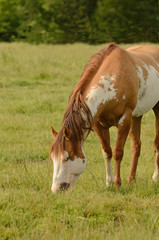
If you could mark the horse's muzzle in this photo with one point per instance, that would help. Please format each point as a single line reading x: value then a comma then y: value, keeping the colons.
x: 64, y: 186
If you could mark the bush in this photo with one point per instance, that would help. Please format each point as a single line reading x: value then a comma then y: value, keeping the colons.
x: 9, y: 20
x: 69, y: 21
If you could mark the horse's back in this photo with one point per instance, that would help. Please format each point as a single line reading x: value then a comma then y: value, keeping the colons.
x: 125, y: 78
x: 147, y: 51
x: 147, y: 65
x: 144, y: 48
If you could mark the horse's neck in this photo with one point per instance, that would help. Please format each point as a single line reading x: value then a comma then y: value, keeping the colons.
x: 78, y: 117
x: 79, y: 126
x: 86, y: 130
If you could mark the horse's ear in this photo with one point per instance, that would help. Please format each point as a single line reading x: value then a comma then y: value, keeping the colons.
x: 67, y: 133
x: 53, y: 131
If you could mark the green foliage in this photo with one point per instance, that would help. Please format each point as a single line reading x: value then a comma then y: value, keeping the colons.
x: 72, y: 17
x: 69, y: 21
x: 126, y: 21
x: 9, y: 20
x: 31, y: 18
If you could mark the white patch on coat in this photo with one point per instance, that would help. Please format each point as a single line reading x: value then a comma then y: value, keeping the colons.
x: 67, y: 171
x: 155, y: 176
x: 148, y: 94
x: 121, y: 120
x: 108, y: 168
x: 101, y: 93
x: 124, y: 97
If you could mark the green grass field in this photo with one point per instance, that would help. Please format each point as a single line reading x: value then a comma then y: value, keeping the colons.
x: 35, y: 84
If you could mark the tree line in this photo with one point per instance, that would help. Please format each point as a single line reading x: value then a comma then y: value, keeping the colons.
x: 69, y: 21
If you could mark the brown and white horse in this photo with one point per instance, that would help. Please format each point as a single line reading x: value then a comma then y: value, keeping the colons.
x: 116, y: 88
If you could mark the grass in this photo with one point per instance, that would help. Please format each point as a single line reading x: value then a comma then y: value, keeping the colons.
x: 35, y: 83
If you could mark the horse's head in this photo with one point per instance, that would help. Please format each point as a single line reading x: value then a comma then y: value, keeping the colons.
x: 68, y: 158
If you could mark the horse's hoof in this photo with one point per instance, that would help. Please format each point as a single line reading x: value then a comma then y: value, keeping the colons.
x: 117, y: 184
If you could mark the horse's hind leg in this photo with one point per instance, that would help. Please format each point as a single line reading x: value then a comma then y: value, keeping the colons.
x: 135, y: 145
x: 156, y: 144
x: 104, y: 137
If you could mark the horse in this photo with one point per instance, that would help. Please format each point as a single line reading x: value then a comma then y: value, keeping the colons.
x: 116, y: 88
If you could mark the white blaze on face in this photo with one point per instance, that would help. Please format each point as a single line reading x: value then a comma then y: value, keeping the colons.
x: 102, y: 93
x: 148, y: 94
x: 66, y: 171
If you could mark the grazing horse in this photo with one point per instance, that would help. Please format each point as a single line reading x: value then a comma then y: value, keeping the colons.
x: 116, y: 88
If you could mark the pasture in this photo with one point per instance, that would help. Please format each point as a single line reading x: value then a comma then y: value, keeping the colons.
x: 35, y: 84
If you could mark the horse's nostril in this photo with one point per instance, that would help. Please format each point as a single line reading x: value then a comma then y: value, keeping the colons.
x: 64, y: 186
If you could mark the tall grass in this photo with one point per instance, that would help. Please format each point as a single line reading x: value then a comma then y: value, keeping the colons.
x: 35, y: 83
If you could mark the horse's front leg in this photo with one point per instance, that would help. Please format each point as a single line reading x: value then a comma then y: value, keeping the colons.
x: 104, y: 137
x: 123, y: 130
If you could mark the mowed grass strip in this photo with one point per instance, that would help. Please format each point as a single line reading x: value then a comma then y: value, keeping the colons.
x: 35, y: 84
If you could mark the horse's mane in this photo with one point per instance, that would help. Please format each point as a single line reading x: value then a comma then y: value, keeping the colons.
x: 92, y: 66
x: 77, y: 117
x: 73, y: 118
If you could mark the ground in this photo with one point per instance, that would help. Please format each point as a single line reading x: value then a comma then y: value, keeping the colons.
x: 35, y: 84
